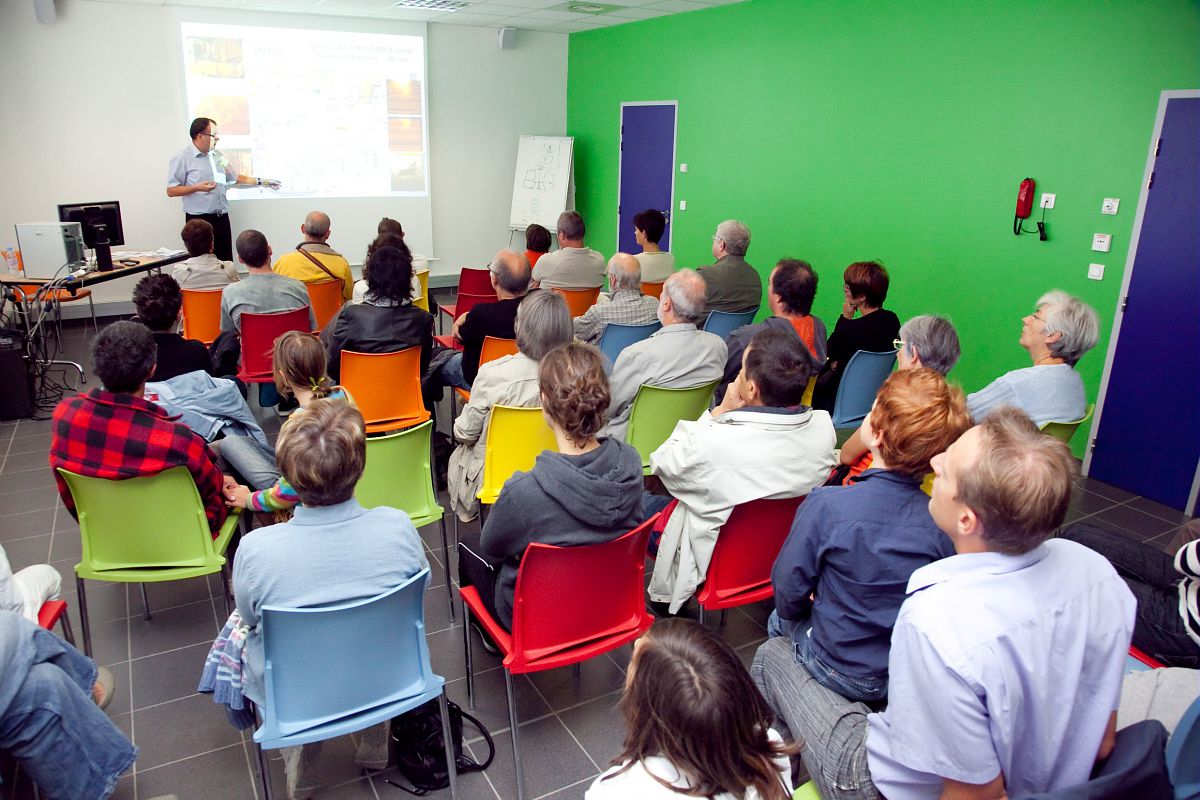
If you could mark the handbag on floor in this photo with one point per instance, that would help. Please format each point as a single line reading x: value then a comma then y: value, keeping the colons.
x: 420, y: 748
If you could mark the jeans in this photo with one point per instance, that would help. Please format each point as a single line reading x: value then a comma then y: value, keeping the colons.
x: 852, y: 687
x: 452, y: 372
x: 247, y: 457
x: 651, y: 505
x: 69, y: 747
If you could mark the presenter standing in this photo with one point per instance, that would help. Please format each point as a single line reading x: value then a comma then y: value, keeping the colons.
x: 200, y: 175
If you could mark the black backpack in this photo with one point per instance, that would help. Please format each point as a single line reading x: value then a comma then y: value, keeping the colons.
x: 421, y: 752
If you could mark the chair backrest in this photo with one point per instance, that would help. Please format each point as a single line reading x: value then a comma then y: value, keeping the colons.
x: 331, y: 662
x: 656, y: 410
x: 202, y: 314
x: 326, y: 299
x: 398, y: 473
x: 259, y: 332
x: 579, y: 300
x: 652, y: 289
x: 617, y: 337
x: 472, y: 280
x: 1063, y: 431
x: 465, y: 302
x: 147, y: 521
x: 386, y: 387
x: 864, y: 374
x: 723, y: 323
x: 1182, y: 747
x: 494, y: 347
x: 746, y: 548
x: 422, y: 302
x: 515, y: 438
x: 570, y: 597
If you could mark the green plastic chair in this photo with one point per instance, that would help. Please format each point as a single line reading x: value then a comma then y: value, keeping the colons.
x: 399, y: 474
x: 655, y: 411
x: 807, y: 791
x: 145, y: 530
x: 1063, y: 431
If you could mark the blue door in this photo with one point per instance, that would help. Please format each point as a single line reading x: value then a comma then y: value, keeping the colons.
x: 647, y: 168
x: 1148, y: 439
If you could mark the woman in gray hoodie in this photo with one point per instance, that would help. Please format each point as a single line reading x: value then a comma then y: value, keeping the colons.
x: 589, y: 491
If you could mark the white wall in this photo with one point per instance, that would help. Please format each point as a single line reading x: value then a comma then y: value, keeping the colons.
x: 92, y: 108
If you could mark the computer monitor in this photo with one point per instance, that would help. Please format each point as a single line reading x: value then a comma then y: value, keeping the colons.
x: 101, y: 227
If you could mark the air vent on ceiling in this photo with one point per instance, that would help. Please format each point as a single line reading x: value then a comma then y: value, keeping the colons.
x: 585, y: 7
x: 432, y: 5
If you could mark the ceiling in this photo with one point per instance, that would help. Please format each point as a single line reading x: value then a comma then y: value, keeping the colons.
x: 558, y: 16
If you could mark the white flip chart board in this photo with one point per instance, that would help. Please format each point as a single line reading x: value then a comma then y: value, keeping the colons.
x: 543, y: 181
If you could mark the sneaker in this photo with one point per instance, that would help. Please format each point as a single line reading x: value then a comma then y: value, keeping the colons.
x: 106, y: 683
x: 489, y: 646
x: 372, y: 750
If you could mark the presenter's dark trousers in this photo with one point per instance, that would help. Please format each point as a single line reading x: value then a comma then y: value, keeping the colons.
x: 222, y: 238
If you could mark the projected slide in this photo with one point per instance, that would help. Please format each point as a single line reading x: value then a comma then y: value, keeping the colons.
x: 328, y: 113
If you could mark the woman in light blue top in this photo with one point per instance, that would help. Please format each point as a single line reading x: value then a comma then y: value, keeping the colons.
x: 1056, y: 335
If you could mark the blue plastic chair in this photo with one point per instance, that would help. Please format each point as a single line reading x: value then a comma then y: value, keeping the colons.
x: 617, y: 337
x: 1182, y: 747
x: 338, y: 669
x: 723, y: 323
x: 864, y: 374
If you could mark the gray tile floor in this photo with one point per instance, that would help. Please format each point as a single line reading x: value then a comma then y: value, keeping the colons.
x: 570, y: 725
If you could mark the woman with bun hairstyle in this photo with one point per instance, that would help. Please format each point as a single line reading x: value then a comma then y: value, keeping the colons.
x: 589, y: 491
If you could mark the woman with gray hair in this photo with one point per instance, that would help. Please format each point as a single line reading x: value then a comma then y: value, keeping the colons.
x: 1056, y: 336
x: 543, y: 323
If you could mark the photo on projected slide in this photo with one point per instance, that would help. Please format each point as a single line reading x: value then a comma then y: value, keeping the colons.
x: 327, y: 113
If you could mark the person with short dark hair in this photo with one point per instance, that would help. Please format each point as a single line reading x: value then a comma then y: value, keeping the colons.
x: 113, y: 432
x: 159, y: 304
x: 864, y: 325
x: 389, y: 226
x: 537, y: 243
x: 648, y: 228
x: 733, y: 285
x: 573, y: 265
x: 263, y: 291
x: 203, y: 270
x: 313, y: 260
x: 759, y: 442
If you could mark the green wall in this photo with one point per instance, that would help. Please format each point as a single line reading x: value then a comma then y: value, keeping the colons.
x: 897, y: 131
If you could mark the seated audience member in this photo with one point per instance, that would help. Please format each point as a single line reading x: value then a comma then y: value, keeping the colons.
x: 333, y: 551
x: 790, y: 293
x: 1056, y: 336
x: 51, y: 714
x: 537, y: 243
x: 627, y: 306
x: 114, y: 433
x: 695, y: 724
x: 389, y: 226
x: 314, y: 260
x: 925, y: 341
x: 676, y: 356
x: 385, y: 239
x: 298, y: 360
x: 657, y: 264
x: 543, y: 323
x: 856, y: 546
x: 589, y: 491
x: 1006, y: 658
x: 262, y: 291
x: 203, y: 270
x: 159, y: 304
x: 386, y: 320
x: 873, y: 330
x: 509, y: 273
x: 572, y: 265
x: 733, y: 285
x: 758, y: 443
x: 24, y: 591
x: 1167, y: 591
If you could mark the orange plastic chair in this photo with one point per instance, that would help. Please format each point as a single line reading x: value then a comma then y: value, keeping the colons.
x: 579, y: 300
x: 570, y: 604
x: 259, y: 332
x: 747, y: 546
x: 202, y: 314
x: 59, y: 296
x: 493, y: 348
x: 471, y: 281
x: 652, y: 289
x: 326, y: 300
x: 386, y: 387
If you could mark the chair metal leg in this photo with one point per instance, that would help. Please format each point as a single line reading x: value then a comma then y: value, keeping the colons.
x: 83, y: 617
x: 225, y: 590
x: 512, y: 721
x: 68, y: 634
x: 446, y: 564
x: 724, y: 614
x: 701, y: 616
x: 575, y: 669
x: 92, y: 308
x: 451, y: 763
x: 466, y: 625
x: 263, y: 772
x: 145, y: 600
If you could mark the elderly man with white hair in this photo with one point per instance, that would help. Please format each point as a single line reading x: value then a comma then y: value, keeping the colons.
x: 1056, y: 336
x: 626, y: 304
x: 677, y: 356
x: 733, y: 285
x: 314, y: 260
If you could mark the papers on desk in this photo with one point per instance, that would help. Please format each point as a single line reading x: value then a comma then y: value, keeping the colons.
x: 162, y: 252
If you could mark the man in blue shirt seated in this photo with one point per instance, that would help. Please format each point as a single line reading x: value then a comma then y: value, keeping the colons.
x: 1006, y: 659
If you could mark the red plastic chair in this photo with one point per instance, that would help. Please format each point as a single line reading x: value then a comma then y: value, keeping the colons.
x: 259, y: 332
x: 471, y: 281
x: 1149, y: 660
x: 571, y: 604
x: 53, y: 612
x: 747, y: 546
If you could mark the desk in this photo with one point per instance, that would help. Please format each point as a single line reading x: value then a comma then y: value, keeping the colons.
x: 145, y: 264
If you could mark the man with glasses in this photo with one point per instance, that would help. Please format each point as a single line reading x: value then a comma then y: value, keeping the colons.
x: 510, y: 275
x: 199, y: 174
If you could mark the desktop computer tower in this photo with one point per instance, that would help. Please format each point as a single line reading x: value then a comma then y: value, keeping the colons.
x: 16, y: 399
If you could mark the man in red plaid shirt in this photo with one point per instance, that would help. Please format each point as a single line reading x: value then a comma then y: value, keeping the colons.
x: 114, y: 433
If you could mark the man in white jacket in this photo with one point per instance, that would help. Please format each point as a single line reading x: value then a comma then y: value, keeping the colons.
x: 759, y: 443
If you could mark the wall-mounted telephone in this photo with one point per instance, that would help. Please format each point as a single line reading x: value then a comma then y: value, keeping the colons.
x: 1025, y: 208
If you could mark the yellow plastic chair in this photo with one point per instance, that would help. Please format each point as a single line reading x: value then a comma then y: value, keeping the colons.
x: 145, y: 530
x: 808, y: 391
x: 1063, y: 431
x: 326, y: 300
x: 579, y: 300
x: 515, y: 438
x: 202, y: 314
x: 422, y: 302
x: 656, y: 410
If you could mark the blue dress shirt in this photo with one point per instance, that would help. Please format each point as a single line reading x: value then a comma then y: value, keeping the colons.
x: 189, y: 167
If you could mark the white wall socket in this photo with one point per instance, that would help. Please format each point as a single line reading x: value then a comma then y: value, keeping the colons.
x: 1102, y: 242
x: 1048, y: 200
x: 683, y: 167
x: 1096, y: 272
x: 1110, y: 205
x: 683, y: 205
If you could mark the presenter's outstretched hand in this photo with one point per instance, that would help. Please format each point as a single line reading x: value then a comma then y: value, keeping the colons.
x: 271, y: 183
x: 206, y: 186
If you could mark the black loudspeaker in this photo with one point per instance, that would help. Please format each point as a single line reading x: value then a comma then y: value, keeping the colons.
x: 16, y: 398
